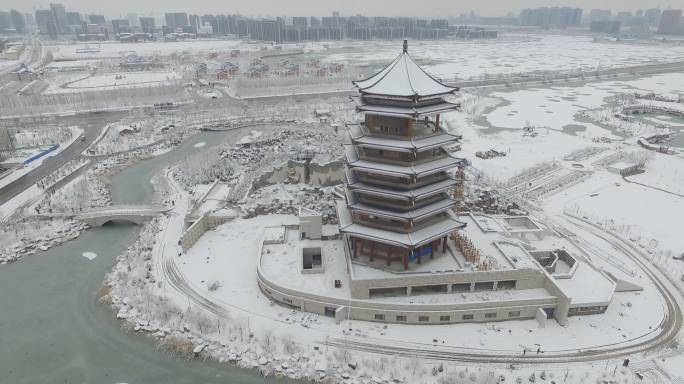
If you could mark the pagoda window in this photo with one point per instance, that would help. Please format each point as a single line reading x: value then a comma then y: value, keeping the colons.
x: 382, y: 155
x: 431, y: 154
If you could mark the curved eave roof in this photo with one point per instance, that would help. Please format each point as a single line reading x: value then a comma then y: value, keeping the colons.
x: 403, y: 78
x: 407, y: 240
x: 415, y: 214
x: 358, y: 136
x: 417, y: 193
x: 403, y: 111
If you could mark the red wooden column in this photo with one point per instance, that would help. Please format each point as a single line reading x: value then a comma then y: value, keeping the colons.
x: 444, y: 244
x: 437, y: 122
x: 388, y: 248
x: 404, y: 259
x: 356, y: 247
x: 372, y: 251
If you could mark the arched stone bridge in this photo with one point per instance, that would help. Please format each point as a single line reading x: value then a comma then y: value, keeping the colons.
x: 137, y: 214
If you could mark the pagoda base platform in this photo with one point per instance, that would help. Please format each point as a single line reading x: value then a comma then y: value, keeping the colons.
x: 382, y: 255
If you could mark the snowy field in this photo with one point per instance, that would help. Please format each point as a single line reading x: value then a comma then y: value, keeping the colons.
x: 523, y: 53
x: 116, y: 49
x: 494, y: 121
x: 111, y: 81
x: 222, y: 264
x: 642, y: 211
x: 6, y: 65
x: 665, y: 172
x: 557, y: 106
x: 62, y: 136
x: 448, y: 58
x: 548, y: 146
x: 227, y: 255
x: 281, y: 344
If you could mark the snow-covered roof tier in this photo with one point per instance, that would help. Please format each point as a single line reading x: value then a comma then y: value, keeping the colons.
x: 417, y: 169
x: 360, y: 137
x: 405, y: 194
x: 404, y: 111
x: 403, y: 78
x: 406, y: 240
x: 415, y: 214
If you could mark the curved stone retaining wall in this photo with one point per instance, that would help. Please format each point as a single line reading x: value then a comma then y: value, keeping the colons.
x: 403, y: 313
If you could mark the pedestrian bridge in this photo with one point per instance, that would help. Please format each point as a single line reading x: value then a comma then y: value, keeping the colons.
x: 137, y: 214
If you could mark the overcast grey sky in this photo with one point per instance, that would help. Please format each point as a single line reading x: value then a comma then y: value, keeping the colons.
x: 422, y: 8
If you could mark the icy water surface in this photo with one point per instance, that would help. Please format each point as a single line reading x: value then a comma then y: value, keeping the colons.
x: 52, y: 328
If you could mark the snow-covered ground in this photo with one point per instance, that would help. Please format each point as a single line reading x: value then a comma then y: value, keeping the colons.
x: 68, y: 137
x: 227, y: 255
x: 6, y: 65
x: 221, y: 267
x: 26, y: 196
x: 448, y: 58
x: 244, y: 327
x: 109, y: 81
x: 558, y: 106
x: 523, y: 53
x: 44, y: 234
x: 663, y: 171
x: 116, y: 50
x: 134, y: 133
x: 643, y: 213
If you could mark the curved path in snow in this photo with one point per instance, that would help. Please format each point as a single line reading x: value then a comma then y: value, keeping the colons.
x: 660, y: 336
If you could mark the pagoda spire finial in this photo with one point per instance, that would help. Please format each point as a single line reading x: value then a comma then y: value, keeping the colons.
x: 405, y: 46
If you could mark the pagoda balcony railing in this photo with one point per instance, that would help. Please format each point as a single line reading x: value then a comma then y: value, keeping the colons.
x: 398, y: 205
x: 401, y: 183
x: 397, y: 225
x: 419, y: 129
x: 403, y: 158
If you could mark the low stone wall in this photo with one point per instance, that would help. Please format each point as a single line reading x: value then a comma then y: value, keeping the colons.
x: 198, y: 228
x: 404, y: 313
x: 524, y: 278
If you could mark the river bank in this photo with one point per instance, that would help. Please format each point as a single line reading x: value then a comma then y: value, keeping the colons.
x: 66, y: 334
x: 46, y: 220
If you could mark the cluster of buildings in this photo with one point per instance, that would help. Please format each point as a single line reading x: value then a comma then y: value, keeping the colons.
x: 671, y: 22
x: 57, y: 21
x: 336, y: 27
x: 402, y: 251
x: 668, y: 22
x: 640, y: 22
x: 12, y: 22
x: 551, y: 17
x: 650, y: 20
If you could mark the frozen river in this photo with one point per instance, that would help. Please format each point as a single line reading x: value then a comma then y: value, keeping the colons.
x: 52, y: 328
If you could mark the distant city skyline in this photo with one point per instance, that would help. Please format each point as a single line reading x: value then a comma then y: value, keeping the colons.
x: 272, y: 8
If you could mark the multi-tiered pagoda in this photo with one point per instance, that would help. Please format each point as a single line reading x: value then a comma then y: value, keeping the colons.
x: 398, y: 206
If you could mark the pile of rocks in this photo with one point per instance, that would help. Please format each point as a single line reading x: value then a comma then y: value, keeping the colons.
x: 487, y: 200
x: 284, y: 142
x: 21, y: 239
x: 286, y: 199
